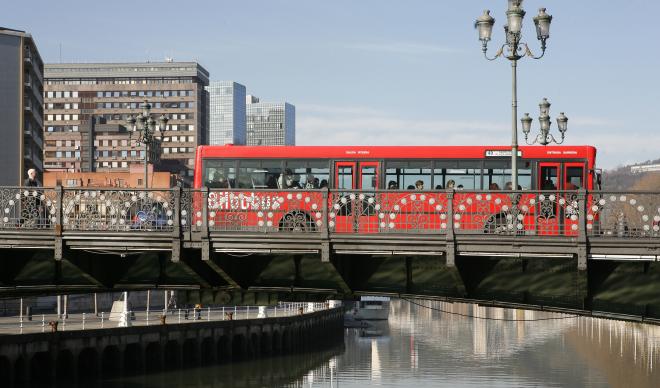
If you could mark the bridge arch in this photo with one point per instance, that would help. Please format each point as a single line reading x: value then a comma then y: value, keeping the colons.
x: 190, y: 353
x: 208, y: 355
x: 64, y: 366
x: 238, y: 347
x: 40, y: 367
x: 88, y: 364
x: 110, y: 361
x: 132, y: 358
x: 172, y: 354
x: 153, y: 357
x: 276, y: 342
x: 20, y: 371
x: 5, y: 367
x: 224, y: 347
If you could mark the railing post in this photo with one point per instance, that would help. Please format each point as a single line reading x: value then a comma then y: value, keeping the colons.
x: 451, y: 238
x: 582, y: 253
x: 325, y: 232
x: 176, y: 230
x: 205, y: 225
x: 59, y: 245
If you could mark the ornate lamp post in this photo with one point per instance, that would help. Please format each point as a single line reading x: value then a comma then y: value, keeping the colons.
x: 516, y: 50
x: 146, y: 127
x: 545, y: 137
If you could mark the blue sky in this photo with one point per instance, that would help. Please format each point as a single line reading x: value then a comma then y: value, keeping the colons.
x: 389, y: 72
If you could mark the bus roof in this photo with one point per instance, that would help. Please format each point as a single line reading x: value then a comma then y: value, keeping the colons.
x: 393, y: 152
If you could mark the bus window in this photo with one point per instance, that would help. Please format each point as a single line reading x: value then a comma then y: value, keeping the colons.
x: 464, y: 178
x: 574, y: 178
x: 403, y: 175
x: 311, y: 174
x: 368, y: 178
x: 502, y: 178
x: 219, y: 173
x: 344, y: 177
x: 548, y: 178
x: 255, y: 174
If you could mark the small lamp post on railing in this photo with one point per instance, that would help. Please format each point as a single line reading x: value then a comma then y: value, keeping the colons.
x: 516, y: 50
x: 146, y: 127
x: 544, y: 137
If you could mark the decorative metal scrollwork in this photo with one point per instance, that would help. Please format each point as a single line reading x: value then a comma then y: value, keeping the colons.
x: 515, y: 213
x: 385, y: 212
x: 296, y: 211
x: 27, y: 207
x: 117, y: 210
x: 624, y: 215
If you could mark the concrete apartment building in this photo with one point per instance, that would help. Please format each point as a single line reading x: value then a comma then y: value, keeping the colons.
x: 21, y: 107
x: 270, y: 123
x: 226, y: 113
x: 87, y: 104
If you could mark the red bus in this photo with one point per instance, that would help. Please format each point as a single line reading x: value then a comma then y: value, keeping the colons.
x: 369, y: 184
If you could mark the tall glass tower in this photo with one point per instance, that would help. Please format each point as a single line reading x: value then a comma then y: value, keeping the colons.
x: 227, y: 113
x: 270, y: 123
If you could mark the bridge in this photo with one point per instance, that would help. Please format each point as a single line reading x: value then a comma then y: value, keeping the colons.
x: 576, y: 250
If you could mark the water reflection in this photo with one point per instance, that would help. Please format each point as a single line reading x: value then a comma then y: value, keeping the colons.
x: 421, y: 346
x: 425, y: 347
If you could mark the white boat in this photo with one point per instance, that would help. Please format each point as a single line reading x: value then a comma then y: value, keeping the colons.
x: 373, y: 308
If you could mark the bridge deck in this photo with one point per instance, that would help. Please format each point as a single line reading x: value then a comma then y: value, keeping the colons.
x: 436, y: 243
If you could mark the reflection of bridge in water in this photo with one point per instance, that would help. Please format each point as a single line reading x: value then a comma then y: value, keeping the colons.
x: 585, y: 251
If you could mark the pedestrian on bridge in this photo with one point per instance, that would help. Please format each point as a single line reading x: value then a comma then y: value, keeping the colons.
x: 31, y: 204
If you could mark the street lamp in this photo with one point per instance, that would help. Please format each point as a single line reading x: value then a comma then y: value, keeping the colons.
x: 146, y: 127
x: 516, y: 49
x: 545, y: 137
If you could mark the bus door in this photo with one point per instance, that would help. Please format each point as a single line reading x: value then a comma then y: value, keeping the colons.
x: 573, y: 179
x: 354, y: 208
x: 366, y: 203
x: 548, y: 219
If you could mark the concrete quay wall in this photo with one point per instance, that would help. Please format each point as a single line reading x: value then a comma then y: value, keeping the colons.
x: 76, y: 356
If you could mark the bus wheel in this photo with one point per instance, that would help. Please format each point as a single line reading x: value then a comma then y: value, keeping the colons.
x: 297, y: 222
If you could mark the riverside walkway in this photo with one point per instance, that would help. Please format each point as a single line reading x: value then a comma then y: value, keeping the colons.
x: 81, y: 356
x: 40, y: 323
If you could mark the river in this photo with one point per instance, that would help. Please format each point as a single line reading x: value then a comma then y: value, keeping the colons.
x: 436, y: 344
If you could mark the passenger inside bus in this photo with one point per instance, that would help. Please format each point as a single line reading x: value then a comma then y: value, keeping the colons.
x: 218, y: 181
x: 392, y: 185
x: 288, y: 181
x: 548, y: 185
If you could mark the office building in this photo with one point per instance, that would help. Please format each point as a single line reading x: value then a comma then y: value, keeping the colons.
x: 226, y: 113
x: 87, y: 104
x: 21, y: 107
x: 270, y: 123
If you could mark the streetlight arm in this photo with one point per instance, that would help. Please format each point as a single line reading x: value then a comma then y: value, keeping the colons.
x: 528, y: 52
x: 498, y: 54
x: 551, y: 139
x: 544, y: 140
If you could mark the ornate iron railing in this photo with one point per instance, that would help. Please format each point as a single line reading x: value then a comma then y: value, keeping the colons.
x: 118, y: 210
x: 619, y: 214
x: 266, y: 210
x: 28, y: 208
x: 632, y: 215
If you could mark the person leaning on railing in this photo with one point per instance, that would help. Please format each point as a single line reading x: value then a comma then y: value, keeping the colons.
x: 31, y: 206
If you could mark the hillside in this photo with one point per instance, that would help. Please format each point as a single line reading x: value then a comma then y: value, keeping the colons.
x: 621, y: 178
